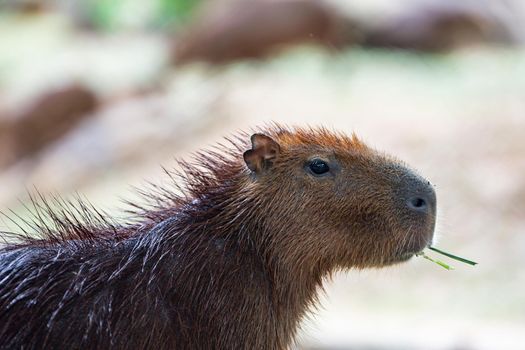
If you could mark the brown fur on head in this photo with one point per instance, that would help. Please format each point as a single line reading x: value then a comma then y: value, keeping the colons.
x: 353, y: 214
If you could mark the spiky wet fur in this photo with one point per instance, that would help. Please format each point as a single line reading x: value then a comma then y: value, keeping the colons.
x: 207, y: 265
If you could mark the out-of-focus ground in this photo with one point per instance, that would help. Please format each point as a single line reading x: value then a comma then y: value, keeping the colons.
x: 457, y: 116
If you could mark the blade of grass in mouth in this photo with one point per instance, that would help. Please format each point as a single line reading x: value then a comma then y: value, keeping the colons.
x: 440, y: 263
x: 453, y: 256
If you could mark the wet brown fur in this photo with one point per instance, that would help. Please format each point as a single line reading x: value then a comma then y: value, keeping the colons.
x: 231, y: 258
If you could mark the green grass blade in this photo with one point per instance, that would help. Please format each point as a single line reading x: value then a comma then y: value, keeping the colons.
x: 473, y: 263
x: 440, y: 263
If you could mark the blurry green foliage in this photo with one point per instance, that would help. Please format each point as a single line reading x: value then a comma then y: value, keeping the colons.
x: 102, y: 13
x: 176, y: 11
x: 110, y: 15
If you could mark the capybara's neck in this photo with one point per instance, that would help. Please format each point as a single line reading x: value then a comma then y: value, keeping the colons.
x: 242, y: 269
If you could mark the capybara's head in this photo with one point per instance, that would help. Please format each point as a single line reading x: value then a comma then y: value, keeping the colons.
x: 331, y: 198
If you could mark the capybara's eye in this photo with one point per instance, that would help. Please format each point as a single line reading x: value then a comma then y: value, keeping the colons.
x: 318, y: 166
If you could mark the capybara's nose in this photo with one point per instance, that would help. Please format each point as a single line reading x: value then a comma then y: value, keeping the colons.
x: 421, y: 197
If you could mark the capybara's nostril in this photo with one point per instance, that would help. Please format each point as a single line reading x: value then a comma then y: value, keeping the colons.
x: 421, y: 198
x: 417, y: 203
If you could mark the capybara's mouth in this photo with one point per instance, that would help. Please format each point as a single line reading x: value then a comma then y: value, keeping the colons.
x: 402, y: 257
x: 407, y: 252
x: 407, y: 257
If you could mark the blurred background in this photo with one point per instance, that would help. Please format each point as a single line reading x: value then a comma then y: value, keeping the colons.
x: 96, y: 95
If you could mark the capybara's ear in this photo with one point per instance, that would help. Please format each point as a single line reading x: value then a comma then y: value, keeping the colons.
x: 263, y: 153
